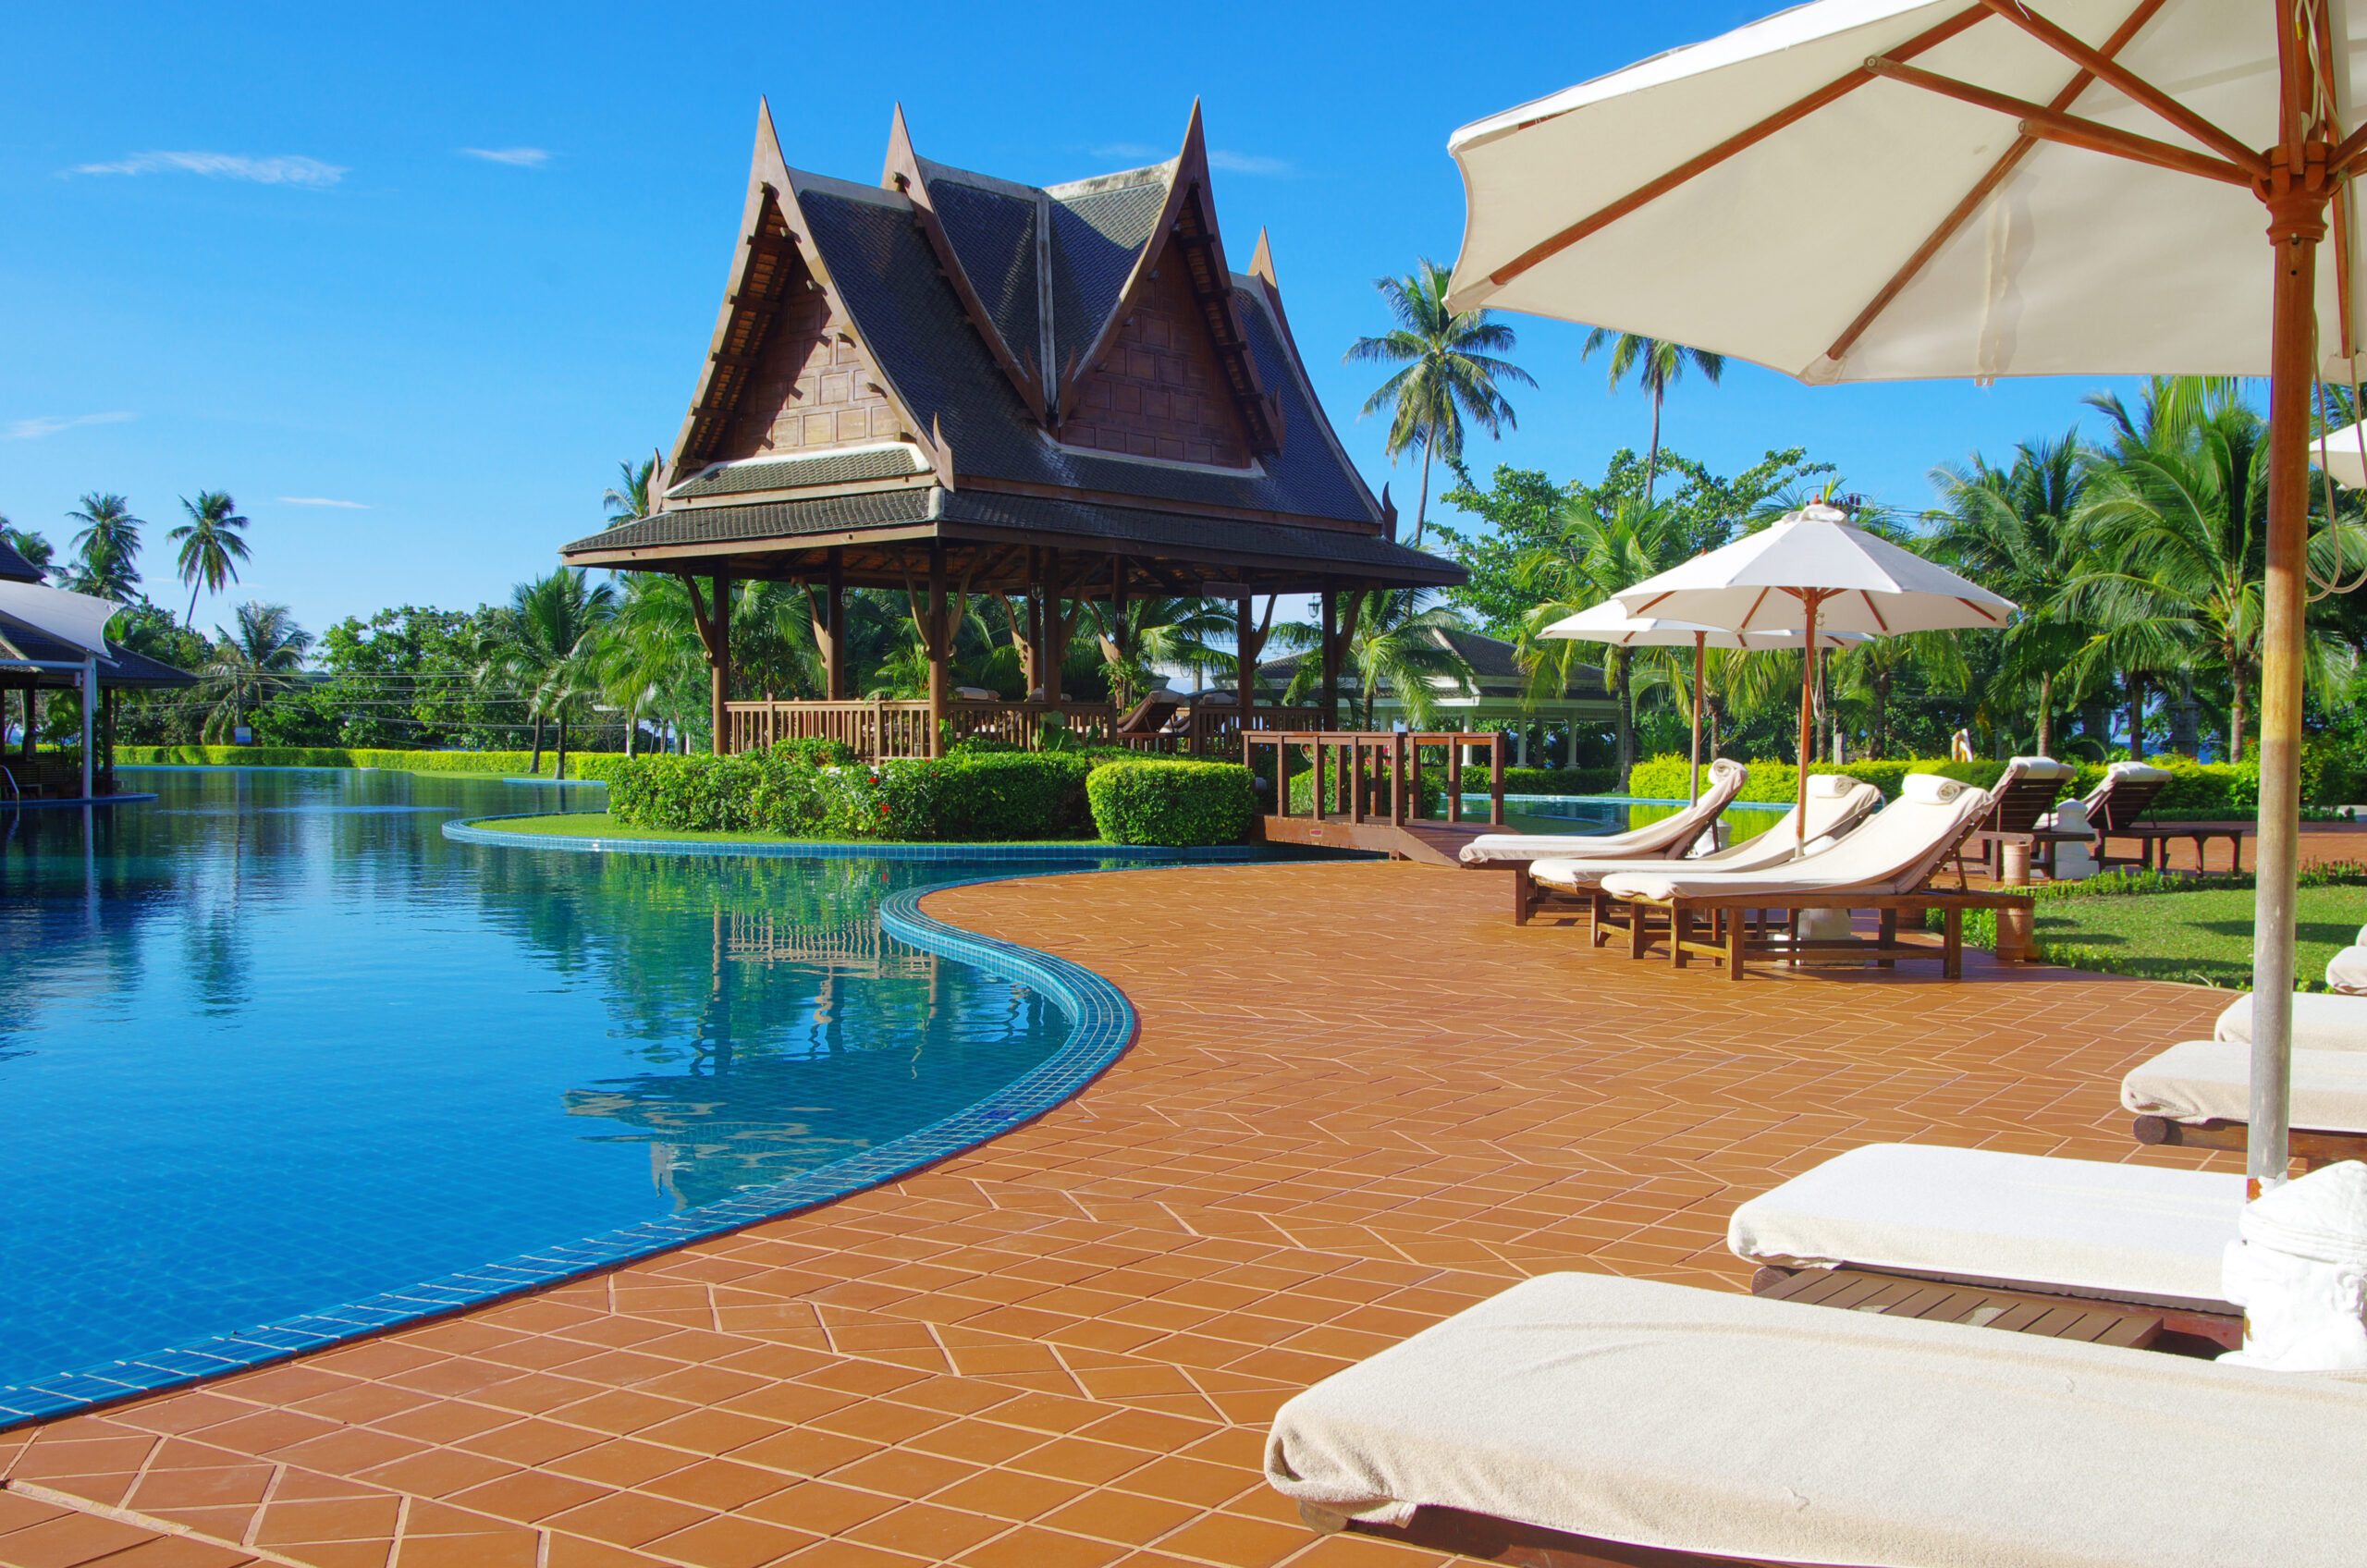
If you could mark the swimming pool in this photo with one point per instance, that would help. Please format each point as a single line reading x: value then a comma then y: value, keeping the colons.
x: 272, y: 1045
x: 1613, y: 814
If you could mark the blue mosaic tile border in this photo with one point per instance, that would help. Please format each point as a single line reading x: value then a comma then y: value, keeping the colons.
x: 127, y: 799
x: 471, y: 831
x: 1102, y: 1025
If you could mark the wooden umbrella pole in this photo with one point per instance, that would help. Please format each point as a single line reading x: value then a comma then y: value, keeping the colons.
x: 1807, y: 720
x: 2296, y: 196
x: 1700, y: 656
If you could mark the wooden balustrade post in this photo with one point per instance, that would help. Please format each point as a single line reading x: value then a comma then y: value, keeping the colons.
x: 1315, y: 795
x: 1455, y: 780
x: 1398, y: 747
x: 835, y: 676
x: 1496, y: 780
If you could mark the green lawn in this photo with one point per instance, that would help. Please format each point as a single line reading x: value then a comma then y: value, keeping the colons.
x: 2202, y: 937
x: 600, y: 825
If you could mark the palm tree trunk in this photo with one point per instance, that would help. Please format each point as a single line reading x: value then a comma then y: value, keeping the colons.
x: 535, y: 766
x: 2046, y: 714
x: 2135, y: 717
x: 1422, y: 507
x: 559, y: 769
x: 1626, y: 726
x: 2236, y: 716
x: 1652, y: 457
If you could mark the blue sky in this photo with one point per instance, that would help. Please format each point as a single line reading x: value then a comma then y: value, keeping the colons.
x: 410, y: 281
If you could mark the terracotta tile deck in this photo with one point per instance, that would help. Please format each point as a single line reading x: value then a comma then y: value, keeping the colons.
x: 1361, y: 1099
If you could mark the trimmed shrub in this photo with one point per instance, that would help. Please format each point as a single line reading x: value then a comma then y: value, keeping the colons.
x: 1555, y: 780
x: 1171, y: 802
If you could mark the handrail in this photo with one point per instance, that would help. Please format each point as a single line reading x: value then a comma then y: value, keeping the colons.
x: 1360, y: 763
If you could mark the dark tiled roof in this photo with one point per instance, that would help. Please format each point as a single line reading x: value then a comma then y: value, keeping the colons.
x: 995, y: 237
x: 1097, y: 234
x: 14, y: 567
x: 129, y: 669
x: 768, y: 520
x: 788, y: 473
x: 912, y: 319
x: 1172, y: 533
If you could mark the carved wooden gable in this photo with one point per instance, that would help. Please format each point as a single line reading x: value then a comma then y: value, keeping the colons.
x: 1158, y: 390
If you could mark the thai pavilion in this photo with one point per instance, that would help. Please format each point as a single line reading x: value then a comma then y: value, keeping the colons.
x: 952, y: 384
x: 53, y: 641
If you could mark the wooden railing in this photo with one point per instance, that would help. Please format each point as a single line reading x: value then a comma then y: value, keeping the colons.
x: 1353, y: 769
x: 900, y: 727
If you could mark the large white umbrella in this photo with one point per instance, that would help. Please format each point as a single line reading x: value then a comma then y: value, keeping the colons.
x: 2343, y: 454
x: 1610, y: 622
x: 1880, y: 189
x: 1817, y: 570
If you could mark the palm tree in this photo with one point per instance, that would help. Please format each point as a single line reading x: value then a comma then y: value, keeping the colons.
x: 649, y: 658
x: 1658, y: 366
x: 28, y: 543
x: 209, y: 542
x: 631, y: 502
x: 545, y: 643
x: 2017, y: 531
x: 109, y: 541
x: 1449, y: 373
x: 246, y: 666
x: 1396, y: 641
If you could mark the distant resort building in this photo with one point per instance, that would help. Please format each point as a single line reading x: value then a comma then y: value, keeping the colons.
x: 1545, y: 733
x: 952, y: 385
x: 37, y: 654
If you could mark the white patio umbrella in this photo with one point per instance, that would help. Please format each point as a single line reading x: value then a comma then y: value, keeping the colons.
x: 2343, y: 454
x: 1816, y: 568
x: 1610, y: 622
x: 1884, y: 189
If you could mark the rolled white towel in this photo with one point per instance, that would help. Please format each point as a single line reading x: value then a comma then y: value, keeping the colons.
x: 2042, y: 768
x: 1931, y: 788
x: 1830, y: 786
x: 2137, y: 770
x: 2347, y: 971
x: 2298, y: 1270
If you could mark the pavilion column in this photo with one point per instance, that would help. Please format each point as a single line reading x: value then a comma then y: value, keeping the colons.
x: 1051, y: 627
x: 835, y: 674
x: 90, y: 722
x: 1245, y: 647
x: 27, y: 743
x: 1119, y: 639
x: 719, y: 659
x: 108, y: 700
x: 937, y: 648
x: 1331, y: 652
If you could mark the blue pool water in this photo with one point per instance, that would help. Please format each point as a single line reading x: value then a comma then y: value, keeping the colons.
x: 271, y: 1044
x: 1610, y: 813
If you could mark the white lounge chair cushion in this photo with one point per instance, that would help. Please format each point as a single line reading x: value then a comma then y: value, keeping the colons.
x: 1669, y: 835
x: 1829, y: 809
x: 2320, y: 1022
x: 2347, y: 971
x: 2041, y: 767
x: 2135, y: 1232
x: 1703, y: 1421
x: 1893, y: 852
x: 2210, y: 1080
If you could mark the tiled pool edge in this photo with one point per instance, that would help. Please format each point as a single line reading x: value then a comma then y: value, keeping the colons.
x: 1102, y: 1025
x: 468, y: 830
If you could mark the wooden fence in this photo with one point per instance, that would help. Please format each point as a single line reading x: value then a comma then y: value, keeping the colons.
x: 900, y: 727
x: 1353, y: 769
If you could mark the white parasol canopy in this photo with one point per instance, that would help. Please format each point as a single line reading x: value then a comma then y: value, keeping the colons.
x: 1875, y: 189
x: 1610, y: 622
x: 2338, y: 452
x: 80, y: 619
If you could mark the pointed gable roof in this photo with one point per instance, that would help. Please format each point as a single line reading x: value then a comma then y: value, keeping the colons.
x: 14, y: 567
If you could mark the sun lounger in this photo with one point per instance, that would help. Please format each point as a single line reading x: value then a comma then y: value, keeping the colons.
x: 2198, y: 1094
x: 1884, y: 865
x: 2114, y: 806
x: 1626, y: 1421
x: 2024, y: 793
x: 1836, y: 805
x: 2073, y: 1231
x: 1666, y: 838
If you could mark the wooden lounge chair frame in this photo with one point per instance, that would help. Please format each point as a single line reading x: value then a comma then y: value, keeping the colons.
x: 1738, y: 930
x: 2311, y: 1147
x: 2116, y: 805
x: 2022, y: 801
x: 2002, y: 1304
x: 1491, y: 1539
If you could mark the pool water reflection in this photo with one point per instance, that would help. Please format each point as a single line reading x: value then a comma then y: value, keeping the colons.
x: 272, y: 1044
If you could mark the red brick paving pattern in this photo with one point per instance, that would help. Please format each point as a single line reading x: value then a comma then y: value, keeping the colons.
x: 1361, y: 1100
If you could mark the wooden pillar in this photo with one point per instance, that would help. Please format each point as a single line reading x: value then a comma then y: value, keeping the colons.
x: 1121, y: 693
x: 107, y: 699
x: 1331, y: 653
x: 938, y: 647
x: 30, y: 743
x: 835, y: 676
x: 718, y: 657
x: 1051, y: 627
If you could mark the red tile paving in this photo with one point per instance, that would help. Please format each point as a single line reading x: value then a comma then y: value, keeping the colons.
x: 1361, y: 1100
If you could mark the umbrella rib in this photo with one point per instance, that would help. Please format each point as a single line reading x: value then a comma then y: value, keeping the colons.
x: 1754, y: 608
x: 2101, y: 64
x: 1981, y: 191
x: 1977, y: 610
x: 1653, y: 190
x: 1873, y: 612
x: 2071, y: 130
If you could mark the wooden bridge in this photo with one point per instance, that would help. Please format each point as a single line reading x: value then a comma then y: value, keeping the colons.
x: 1371, y: 791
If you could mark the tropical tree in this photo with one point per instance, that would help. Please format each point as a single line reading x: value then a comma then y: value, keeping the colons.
x: 36, y: 550
x: 2019, y: 531
x: 209, y: 542
x: 1393, y: 640
x: 1449, y: 374
x: 649, y: 658
x: 1657, y: 366
x: 105, y: 549
x: 248, y: 664
x: 630, y: 501
x: 545, y: 644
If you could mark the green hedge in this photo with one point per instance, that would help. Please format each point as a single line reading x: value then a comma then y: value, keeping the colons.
x: 580, y: 765
x: 1555, y: 780
x: 2196, y: 789
x: 968, y: 798
x: 1171, y: 803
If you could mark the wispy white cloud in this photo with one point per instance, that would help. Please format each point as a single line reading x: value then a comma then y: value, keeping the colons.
x: 50, y: 425
x: 290, y: 170
x: 1245, y: 163
x: 523, y: 157
x: 322, y: 501
x: 1133, y: 150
